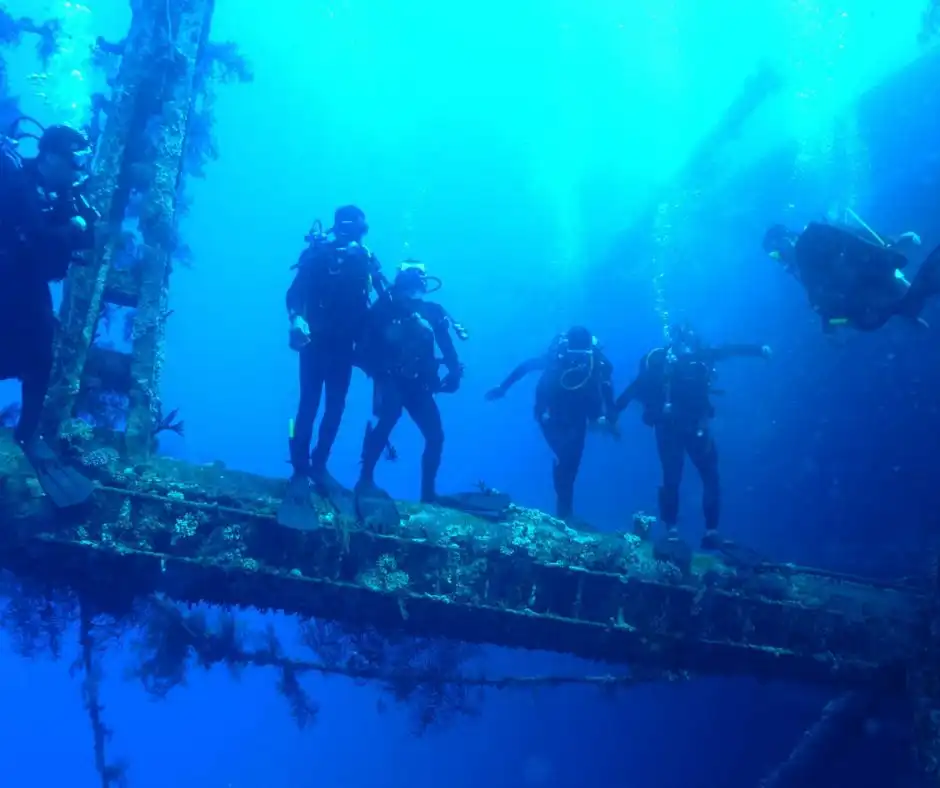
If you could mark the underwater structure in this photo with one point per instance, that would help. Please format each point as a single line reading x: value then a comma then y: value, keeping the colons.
x: 160, y: 532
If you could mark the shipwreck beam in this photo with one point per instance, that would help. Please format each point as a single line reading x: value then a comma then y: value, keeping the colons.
x: 140, y: 155
x: 208, y: 534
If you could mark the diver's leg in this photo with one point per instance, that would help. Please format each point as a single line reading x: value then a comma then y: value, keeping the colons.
x: 35, y: 385
x: 312, y: 374
x: 567, y: 443
x: 671, y: 451
x: 704, y: 456
x: 337, y: 379
x: 423, y: 410
x: 387, y: 408
x: 35, y: 353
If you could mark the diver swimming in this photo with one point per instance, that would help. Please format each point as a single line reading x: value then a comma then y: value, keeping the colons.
x: 47, y: 224
x: 854, y: 277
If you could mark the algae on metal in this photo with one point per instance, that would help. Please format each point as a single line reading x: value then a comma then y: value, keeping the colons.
x: 208, y: 533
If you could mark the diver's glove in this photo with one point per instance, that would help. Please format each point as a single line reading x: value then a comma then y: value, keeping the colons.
x: 299, y: 333
x: 766, y: 352
x: 494, y: 394
x: 450, y: 383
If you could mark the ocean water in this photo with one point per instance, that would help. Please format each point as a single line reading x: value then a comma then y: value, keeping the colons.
x: 553, y: 163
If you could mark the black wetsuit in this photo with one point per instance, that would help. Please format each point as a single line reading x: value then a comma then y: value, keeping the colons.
x: 398, y: 353
x: 573, y: 390
x: 38, y: 242
x: 331, y: 291
x: 849, y: 278
x: 674, y: 392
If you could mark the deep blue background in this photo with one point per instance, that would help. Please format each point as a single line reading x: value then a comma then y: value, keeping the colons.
x: 827, y: 457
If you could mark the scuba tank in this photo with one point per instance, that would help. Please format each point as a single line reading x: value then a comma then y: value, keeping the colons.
x: 429, y: 284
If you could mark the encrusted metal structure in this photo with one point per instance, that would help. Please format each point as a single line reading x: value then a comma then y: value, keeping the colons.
x: 140, y: 157
x: 210, y: 534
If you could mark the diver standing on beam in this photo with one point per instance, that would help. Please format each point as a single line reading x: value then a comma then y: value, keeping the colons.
x: 46, y: 222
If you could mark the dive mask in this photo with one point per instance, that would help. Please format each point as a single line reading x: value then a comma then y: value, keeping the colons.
x: 412, y: 278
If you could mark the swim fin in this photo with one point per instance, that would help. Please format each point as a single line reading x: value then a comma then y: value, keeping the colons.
x: 485, y: 504
x: 736, y: 556
x: 296, y: 510
x: 341, y: 498
x: 376, y: 508
x: 675, y: 551
x: 64, y: 485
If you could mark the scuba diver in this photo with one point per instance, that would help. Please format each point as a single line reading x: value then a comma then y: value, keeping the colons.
x: 327, y: 304
x: 47, y: 222
x: 398, y: 351
x: 574, y: 390
x: 854, y: 279
x: 673, y: 385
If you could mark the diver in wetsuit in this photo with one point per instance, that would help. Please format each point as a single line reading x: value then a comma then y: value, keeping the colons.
x: 327, y: 304
x: 398, y: 352
x: 575, y: 388
x: 46, y: 223
x: 673, y: 385
x: 852, y: 278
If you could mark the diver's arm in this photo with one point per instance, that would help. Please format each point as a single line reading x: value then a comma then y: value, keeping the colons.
x: 380, y: 281
x: 300, y: 288
x: 441, y: 325
x: 905, y: 241
x: 627, y: 396
x: 610, y: 402
x: 527, y: 367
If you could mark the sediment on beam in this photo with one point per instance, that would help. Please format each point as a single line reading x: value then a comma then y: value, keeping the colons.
x: 206, y: 533
x: 109, y: 190
x: 122, y: 287
x: 158, y: 221
x: 108, y: 369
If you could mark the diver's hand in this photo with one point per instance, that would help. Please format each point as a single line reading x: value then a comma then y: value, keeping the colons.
x: 299, y: 333
x: 766, y: 352
x: 450, y: 383
x: 543, y: 417
x: 494, y: 394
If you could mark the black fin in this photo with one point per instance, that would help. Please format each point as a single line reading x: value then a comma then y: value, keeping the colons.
x: 486, y: 504
x: 296, y: 510
x: 341, y: 498
x: 674, y: 551
x: 376, y: 508
x: 64, y: 485
x: 739, y: 556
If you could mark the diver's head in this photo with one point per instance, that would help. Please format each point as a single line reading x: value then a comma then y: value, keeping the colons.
x: 683, y: 339
x: 779, y: 243
x: 64, y: 157
x: 412, y: 280
x: 579, y: 340
x: 349, y: 224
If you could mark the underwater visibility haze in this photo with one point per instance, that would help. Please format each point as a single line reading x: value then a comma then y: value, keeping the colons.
x: 534, y: 394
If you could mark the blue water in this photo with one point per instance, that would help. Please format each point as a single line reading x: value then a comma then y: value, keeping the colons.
x: 515, y: 148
